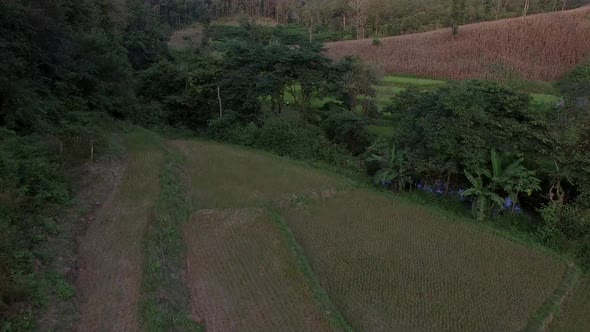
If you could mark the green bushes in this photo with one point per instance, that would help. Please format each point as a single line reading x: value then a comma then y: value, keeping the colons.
x: 576, y: 83
x: 30, y: 174
x: 567, y: 229
x: 33, y: 186
x: 450, y: 132
x: 347, y: 129
x: 31, y: 178
x: 286, y: 137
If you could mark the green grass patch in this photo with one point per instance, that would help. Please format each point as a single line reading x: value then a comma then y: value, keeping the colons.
x: 541, y: 92
x: 391, y: 86
x: 382, y: 131
x: 411, y: 81
x: 545, y: 99
x: 165, y: 299
x: 538, y: 87
x: 389, y: 90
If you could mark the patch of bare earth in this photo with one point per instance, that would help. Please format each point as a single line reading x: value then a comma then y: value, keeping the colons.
x: 185, y: 38
x: 242, y: 275
x: 109, y: 282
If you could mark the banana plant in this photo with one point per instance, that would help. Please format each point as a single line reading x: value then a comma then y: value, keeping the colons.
x: 394, y: 169
x: 484, y: 197
x: 506, y: 175
x: 513, y: 178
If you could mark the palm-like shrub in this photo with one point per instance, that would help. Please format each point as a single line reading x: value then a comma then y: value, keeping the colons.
x: 507, y: 175
x: 394, y: 169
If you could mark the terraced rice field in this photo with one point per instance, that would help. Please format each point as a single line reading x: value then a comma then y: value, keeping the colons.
x: 392, y: 266
x: 272, y: 245
x: 243, y: 276
x: 575, y: 314
x: 227, y: 177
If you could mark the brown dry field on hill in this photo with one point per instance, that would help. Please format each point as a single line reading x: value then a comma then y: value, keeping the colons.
x: 189, y: 37
x: 540, y: 47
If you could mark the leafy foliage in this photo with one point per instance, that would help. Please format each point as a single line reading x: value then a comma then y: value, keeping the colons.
x: 348, y: 129
x: 394, y: 171
x: 292, y: 138
x: 454, y: 128
x: 577, y: 83
x: 504, y: 177
x: 484, y: 196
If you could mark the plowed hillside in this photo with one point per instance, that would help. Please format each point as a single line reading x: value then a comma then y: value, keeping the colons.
x: 539, y: 48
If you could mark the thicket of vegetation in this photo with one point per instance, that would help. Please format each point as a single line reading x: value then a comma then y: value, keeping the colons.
x: 541, y: 47
x: 491, y: 146
x: 67, y: 70
x: 70, y: 67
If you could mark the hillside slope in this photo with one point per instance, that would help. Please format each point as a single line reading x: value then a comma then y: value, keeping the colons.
x: 540, y: 47
x: 188, y: 240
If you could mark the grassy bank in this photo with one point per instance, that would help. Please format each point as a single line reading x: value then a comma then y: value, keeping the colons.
x: 165, y: 303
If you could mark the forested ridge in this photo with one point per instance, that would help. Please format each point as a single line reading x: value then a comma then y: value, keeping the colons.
x: 73, y: 72
x: 354, y: 19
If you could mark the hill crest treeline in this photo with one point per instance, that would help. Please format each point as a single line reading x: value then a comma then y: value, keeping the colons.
x: 355, y: 19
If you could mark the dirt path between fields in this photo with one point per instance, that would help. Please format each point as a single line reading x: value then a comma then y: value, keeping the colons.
x: 110, y: 279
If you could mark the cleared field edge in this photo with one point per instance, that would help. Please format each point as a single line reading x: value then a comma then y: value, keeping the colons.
x: 110, y: 248
x: 320, y: 295
x: 348, y: 178
x: 542, y: 319
x: 165, y: 302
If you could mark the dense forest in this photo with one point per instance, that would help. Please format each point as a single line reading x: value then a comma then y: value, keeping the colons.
x: 71, y: 68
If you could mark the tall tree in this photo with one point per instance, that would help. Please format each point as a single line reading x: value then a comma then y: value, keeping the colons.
x: 527, y: 5
x: 457, y: 15
x: 360, y: 15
